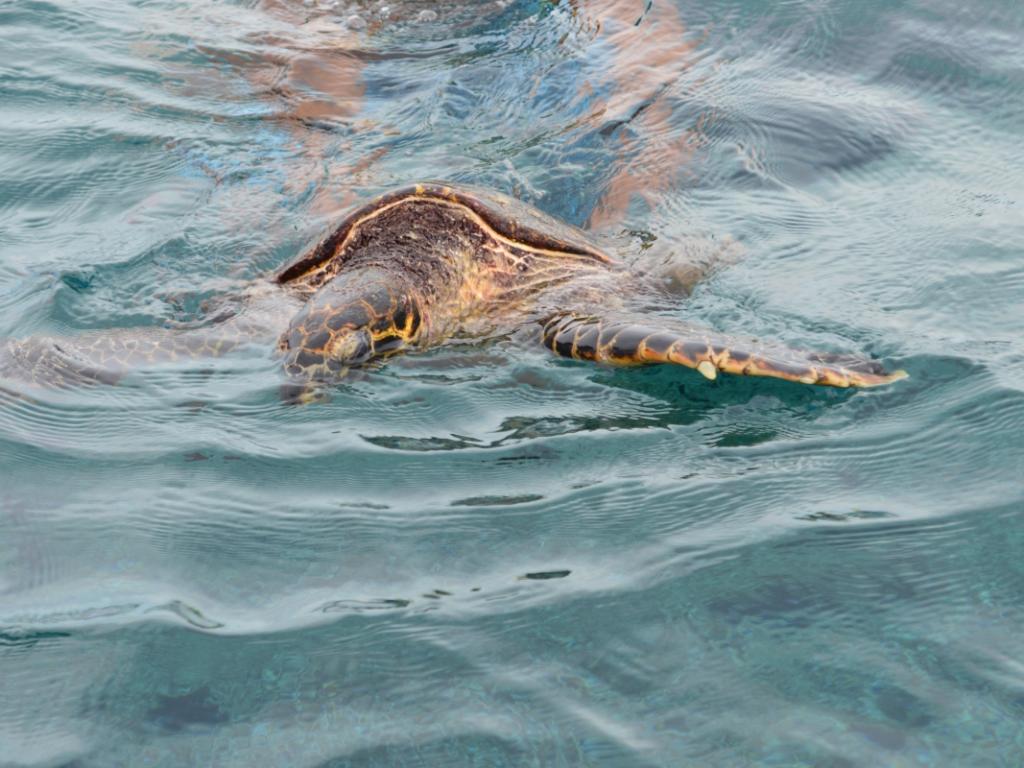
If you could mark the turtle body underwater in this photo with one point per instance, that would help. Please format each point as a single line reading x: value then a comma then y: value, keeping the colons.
x: 424, y: 264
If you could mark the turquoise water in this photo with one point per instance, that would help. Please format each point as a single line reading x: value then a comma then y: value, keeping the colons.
x: 483, y: 555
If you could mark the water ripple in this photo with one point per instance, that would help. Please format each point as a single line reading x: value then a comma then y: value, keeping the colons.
x: 483, y: 554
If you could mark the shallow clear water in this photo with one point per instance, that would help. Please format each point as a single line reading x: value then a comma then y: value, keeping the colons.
x: 482, y: 555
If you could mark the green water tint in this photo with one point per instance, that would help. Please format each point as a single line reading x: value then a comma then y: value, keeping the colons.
x: 483, y: 555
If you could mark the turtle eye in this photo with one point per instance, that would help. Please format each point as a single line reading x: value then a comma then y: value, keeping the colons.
x: 350, y: 346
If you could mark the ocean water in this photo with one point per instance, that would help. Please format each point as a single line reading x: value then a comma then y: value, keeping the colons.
x: 482, y: 555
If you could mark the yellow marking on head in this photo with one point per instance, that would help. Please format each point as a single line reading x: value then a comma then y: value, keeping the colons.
x: 407, y: 329
x: 383, y: 333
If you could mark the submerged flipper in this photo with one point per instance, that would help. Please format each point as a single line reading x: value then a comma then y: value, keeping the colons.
x: 627, y: 343
x: 97, y: 357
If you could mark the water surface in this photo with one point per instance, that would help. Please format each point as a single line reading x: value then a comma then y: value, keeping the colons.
x: 483, y: 555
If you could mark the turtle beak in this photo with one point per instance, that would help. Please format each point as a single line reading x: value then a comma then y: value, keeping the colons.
x: 302, y: 393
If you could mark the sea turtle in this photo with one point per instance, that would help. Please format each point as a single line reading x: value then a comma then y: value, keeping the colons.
x: 426, y: 263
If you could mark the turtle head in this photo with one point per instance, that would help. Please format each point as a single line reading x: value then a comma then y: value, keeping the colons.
x: 355, y: 318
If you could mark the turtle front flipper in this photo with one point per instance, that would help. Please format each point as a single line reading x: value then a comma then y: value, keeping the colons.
x: 628, y: 343
x: 103, y: 357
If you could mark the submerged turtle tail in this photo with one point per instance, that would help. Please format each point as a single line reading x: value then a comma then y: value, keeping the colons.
x: 626, y: 343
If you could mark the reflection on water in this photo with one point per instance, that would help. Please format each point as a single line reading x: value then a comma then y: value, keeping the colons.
x: 482, y: 555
